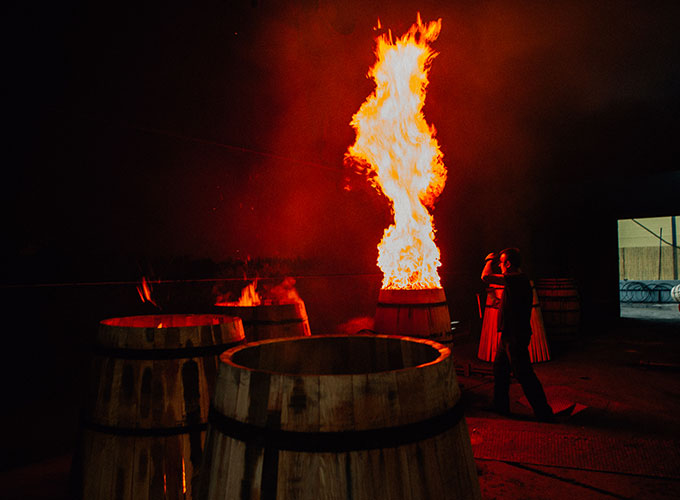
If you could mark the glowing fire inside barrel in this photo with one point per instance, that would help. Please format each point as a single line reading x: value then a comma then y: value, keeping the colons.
x: 400, y: 154
x: 283, y: 314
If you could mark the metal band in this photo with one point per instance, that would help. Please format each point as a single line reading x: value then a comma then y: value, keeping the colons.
x: 163, y: 354
x: 427, y: 305
x: 145, y: 432
x: 336, y: 442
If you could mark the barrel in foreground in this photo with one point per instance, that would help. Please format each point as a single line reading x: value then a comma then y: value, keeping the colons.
x: 363, y: 417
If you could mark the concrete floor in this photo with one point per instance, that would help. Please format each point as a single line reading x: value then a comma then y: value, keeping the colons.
x: 653, y: 312
x: 617, y: 436
x: 618, y: 433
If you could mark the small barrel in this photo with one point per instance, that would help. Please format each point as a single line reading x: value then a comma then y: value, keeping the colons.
x: 538, y: 345
x: 338, y: 416
x: 561, y: 306
x: 415, y: 313
x: 675, y: 293
x: 146, y: 413
x: 271, y: 320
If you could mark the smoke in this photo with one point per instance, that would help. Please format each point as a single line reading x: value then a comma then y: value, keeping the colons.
x: 284, y: 292
x: 356, y: 325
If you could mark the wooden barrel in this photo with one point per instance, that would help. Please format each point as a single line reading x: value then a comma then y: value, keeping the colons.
x: 271, y: 320
x: 561, y: 306
x: 415, y: 313
x: 488, y: 341
x: 146, y: 416
x: 337, y: 417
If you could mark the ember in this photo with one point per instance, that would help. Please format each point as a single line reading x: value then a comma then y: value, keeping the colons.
x: 399, y: 153
x: 144, y: 290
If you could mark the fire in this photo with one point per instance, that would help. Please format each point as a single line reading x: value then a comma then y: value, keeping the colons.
x: 398, y: 151
x: 184, y: 478
x: 249, y: 296
x: 283, y: 293
x: 144, y: 290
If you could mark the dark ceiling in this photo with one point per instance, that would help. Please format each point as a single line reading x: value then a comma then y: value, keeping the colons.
x: 220, y: 130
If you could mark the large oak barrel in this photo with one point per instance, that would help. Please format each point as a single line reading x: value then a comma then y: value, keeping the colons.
x: 488, y: 341
x: 561, y: 306
x: 271, y: 320
x: 336, y: 417
x: 146, y: 415
x: 415, y: 313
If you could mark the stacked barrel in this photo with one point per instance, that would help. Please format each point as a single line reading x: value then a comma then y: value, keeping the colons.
x: 561, y: 306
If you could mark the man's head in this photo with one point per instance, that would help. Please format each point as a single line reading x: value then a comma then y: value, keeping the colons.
x: 510, y: 260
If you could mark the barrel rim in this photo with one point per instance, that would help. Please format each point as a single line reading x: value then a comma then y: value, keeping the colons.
x: 226, y: 356
x: 409, y: 292
x: 280, y: 305
x: 201, y: 320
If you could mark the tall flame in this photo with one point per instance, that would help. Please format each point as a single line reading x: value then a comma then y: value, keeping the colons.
x: 399, y: 152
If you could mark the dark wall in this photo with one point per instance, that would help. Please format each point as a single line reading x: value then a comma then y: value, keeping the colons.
x: 220, y: 131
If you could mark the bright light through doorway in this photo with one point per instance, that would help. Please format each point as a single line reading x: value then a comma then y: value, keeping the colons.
x: 649, y: 262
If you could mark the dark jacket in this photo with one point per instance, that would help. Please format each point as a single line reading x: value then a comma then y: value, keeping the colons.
x: 514, y: 320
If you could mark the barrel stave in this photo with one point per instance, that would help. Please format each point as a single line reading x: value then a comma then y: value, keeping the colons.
x: 336, y: 408
x: 350, y: 401
x: 148, y: 399
x: 417, y: 313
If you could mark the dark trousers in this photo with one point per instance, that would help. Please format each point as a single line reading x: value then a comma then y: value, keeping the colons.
x: 514, y: 356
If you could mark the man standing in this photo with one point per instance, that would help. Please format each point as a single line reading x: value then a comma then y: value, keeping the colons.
x: 514, y: 323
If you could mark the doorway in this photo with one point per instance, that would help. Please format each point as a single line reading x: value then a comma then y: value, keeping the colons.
x: 649, y: 258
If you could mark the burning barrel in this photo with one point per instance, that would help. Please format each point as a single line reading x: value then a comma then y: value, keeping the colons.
x: 538, y: 346
x: 270, y: 320
x: 415, y: 313
x: 333, y: 416
x: 147, y: 411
